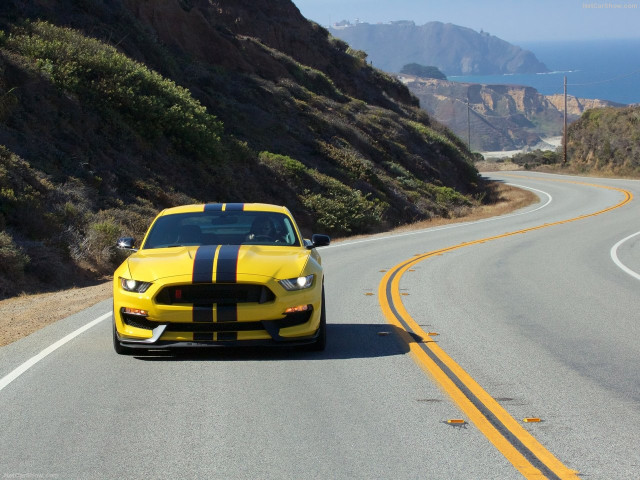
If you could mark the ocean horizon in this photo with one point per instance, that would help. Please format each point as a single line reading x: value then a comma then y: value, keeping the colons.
x: 602, y: 69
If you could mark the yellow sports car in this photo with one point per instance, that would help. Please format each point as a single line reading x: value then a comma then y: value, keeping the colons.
x: 220, y: 274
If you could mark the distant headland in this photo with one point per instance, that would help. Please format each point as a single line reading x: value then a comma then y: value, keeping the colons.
x: 453, y: 49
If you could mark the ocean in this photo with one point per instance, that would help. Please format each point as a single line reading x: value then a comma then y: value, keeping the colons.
x: 604, y: 69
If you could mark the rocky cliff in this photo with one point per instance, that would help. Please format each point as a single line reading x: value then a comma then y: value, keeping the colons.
x: 453, y: 49
x: 501, y: 117
x: 577, y: 106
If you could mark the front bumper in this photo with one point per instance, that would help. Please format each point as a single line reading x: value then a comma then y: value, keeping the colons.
x: 167, y: 325
x: 264, y: 332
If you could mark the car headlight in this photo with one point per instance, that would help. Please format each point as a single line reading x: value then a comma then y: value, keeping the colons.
x: 298, y: 283
x: 131, y: 285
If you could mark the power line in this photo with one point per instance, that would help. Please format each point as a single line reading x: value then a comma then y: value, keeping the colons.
x: 481, y: 116
x: 564, y: 128
x: 604, y: 81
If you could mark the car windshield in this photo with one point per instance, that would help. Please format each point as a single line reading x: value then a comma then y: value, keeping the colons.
x: 222, y: 228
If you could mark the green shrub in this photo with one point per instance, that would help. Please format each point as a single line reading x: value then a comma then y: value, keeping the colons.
x: 396, y: 169
x: 101, y: 239
x: 338, y: 43
x: 310, y: 78
x: 341, y: 210
x: 8, y: 100
x: 359, y: 55
x: 535, y: 158
x: 356, y: 165
x: 606, y: 139
x: 23, y: 192
x: 12, y: 263
x: 124, y: 90
x: 432, y: 136
x: 449, y: 197
x: 343, y: 213
x: 286, y: 166
x: 47, y: 263
x: 423, y: 71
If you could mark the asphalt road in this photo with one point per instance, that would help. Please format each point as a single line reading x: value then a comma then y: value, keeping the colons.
x: 540, y: 324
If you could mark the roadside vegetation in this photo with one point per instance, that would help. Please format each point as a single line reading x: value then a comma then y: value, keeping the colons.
x: 606, y: 141
x: 536, y: 158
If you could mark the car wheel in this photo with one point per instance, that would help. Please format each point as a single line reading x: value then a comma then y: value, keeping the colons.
x: 120, y: 350
x: 320, y: 344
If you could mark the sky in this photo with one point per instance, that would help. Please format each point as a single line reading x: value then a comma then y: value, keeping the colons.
x: 510, y: 20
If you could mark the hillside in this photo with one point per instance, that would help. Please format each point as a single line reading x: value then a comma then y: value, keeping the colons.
x: 453, y: 49
x: 606, y: 141
x: 502, y: 117
x: 110, y: 111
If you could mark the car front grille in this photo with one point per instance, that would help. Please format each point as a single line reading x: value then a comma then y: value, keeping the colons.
x: 289, y: 320
x: 138, y: 322
x: 220, y: 293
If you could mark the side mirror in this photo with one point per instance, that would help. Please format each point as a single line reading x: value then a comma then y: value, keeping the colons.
x: 127, y: 243
x: 318, y: 240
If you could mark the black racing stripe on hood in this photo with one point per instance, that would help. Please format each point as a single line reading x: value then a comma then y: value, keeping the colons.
x: 227, y: 269
x: 203, y: 264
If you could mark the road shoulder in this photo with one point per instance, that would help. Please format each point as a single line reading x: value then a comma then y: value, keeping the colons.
x: 23, y: 315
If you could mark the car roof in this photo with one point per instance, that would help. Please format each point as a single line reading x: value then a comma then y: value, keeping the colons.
x: 247, y: 207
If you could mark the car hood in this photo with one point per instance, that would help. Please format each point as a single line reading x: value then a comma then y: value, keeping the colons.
x: 267, y: 261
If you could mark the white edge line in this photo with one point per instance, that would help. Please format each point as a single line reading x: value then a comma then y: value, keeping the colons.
x: 446, y: 227
x: 616, y: 260
x: 6, y: 380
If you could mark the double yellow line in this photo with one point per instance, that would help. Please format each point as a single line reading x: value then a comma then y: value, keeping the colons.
x: 517, y: 445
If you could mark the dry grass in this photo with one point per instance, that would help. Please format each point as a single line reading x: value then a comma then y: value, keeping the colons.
x: 23, y: 315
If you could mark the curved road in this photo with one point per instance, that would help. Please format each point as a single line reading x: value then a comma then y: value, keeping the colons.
x: 440, y: 343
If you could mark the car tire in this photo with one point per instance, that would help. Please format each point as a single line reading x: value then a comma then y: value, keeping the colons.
x: 120, y: 350
x: 321, y: 342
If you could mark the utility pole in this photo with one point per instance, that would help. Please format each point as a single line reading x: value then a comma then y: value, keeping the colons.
x: 468, y: 125
x: 564, y: 131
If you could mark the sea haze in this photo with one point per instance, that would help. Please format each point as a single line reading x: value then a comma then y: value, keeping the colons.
x: 594, y: 69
